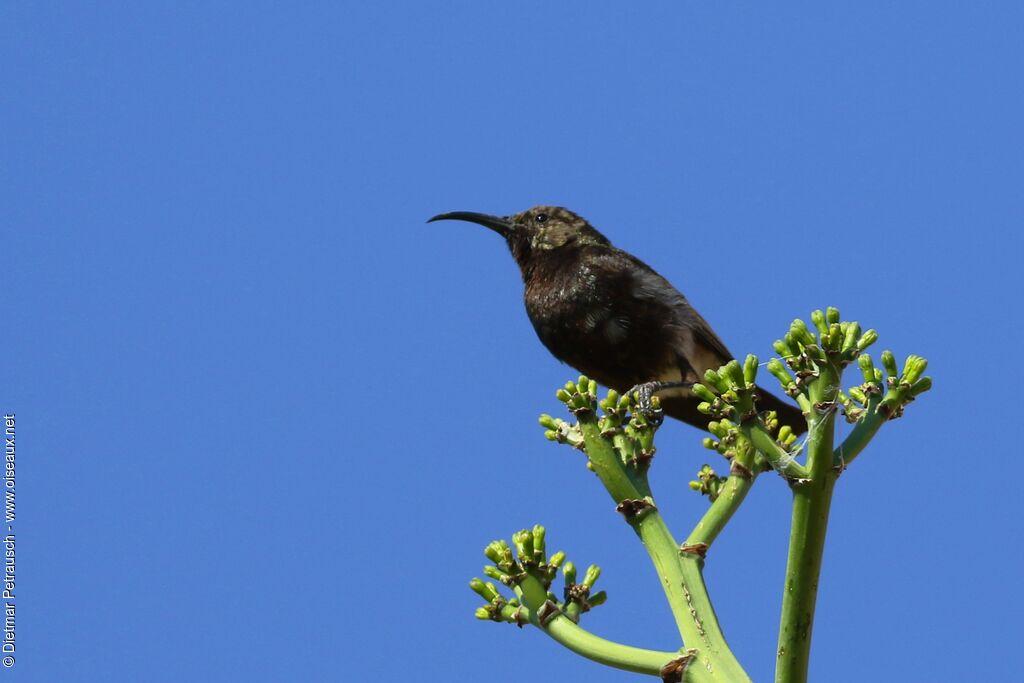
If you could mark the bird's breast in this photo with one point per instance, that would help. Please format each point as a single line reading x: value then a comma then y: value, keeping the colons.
x: 593, y: 320
x: 563, y: 304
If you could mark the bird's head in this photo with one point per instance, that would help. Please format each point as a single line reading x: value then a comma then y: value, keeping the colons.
x: 536, y: 232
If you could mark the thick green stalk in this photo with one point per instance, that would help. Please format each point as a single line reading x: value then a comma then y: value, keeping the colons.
x: 721, y: 511
x: 683, y: 582
x: 532, y: 593
x: 859, y: 438
x: 811, y: 501
x: 781, y: 461
x: 680, y: 576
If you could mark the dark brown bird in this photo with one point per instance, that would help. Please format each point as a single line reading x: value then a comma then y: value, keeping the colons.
x: 610, y: 316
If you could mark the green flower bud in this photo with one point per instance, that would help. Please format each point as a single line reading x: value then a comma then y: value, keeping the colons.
x: 867, y: 367
x: 613, y: 397
x: 539, y: 546
x: 733, y: 373
x: 782, y: 348
x: 593, y: 572
x: 493, y: 572
x: 798, y: 332
x: 834, y: 339
x: 750, y: 370
x: 832, y: 315
x: 715, y: 380
x: 524, y: 544
x: 480, y: 588
x: 704, y: 407
x: 548, y: 421
x: 914, y: 368
x: 710, y: 443
x: 569, y: 571
x: 858, y: 395
x: 785, y: 431
x: 702, y: 392
x: 495, y: 551
x: 920, y: 386
x: 850, y: 335
x: 779, y: 371
x: 598, y: 598
x: 818, y: 318
x: 867, y: 339
x: 889, y: 363
x: 482, y: 613
x: 563, y: 395
x: 557, y: 559
x: 696, y: 485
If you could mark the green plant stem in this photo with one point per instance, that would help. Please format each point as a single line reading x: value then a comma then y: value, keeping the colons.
x: 859, y: 438
x: 532, y: 593
x: 721, y: 511
x: 782, y: 462
x: 607, y: 464
x: 680, y: 577
x: 811, y: 501
x: 683, y: 582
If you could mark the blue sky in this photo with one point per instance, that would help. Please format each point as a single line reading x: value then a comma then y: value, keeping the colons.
x: 268, y: 418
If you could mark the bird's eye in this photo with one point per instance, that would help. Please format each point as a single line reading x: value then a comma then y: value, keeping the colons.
x: 541, y: 218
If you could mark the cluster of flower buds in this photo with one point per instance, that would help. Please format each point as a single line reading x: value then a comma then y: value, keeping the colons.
x: 497, y: 607
x: 577, y: 597
x: 888, y: 393
x: 530, y: 559
x: 837, y: 342
x: 730, y: 441
x: 560, y: 431
x: 841, y: 343
x: 708, y: 483
x: 630, y: 432
x: 728, y: 393
x: 580, y: 396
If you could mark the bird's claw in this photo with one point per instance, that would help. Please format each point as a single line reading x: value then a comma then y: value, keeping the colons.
x: 643, y: 403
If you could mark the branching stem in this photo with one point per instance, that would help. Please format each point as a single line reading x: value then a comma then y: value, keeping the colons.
x: 680, y: 575
x: 532, y: 593
x: 812, y: 499
x: 735, y: 490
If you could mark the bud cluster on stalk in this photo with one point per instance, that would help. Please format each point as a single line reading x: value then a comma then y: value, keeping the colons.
x: 529, y: 559
x: 729, y: 392
x: 630, y: 432
x: 708, y: 483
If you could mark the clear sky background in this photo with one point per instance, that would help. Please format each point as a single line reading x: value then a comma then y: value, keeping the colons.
x: 268, y: 418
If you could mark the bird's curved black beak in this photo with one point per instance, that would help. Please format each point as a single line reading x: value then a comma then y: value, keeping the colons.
x: 499, y: 224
